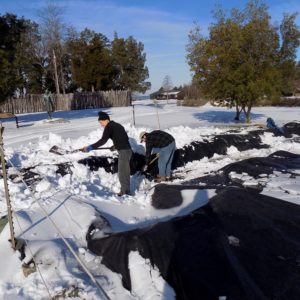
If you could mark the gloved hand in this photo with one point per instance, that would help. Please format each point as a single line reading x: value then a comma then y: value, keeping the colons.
x: 145, y: 168
x: 86, y: 149
x: 112, y: 148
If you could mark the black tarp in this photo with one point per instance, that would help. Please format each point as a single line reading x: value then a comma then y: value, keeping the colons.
x: 282, y: 161
x: 292, y: 128
x: 195, y: 253
x: 195, y: 256
x: 194, y: 151
x: 217, y: 145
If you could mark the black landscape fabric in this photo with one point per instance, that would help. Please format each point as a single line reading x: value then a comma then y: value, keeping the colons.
x: 195, y: 151
x: 241, y: 245
x: 168, y: 196
x: 282, y: 161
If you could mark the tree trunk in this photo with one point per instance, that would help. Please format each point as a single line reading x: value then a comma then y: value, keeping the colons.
x: 62, y: 81
x: 247, y: 113
x: 55, y: 73
x: 237, y: 112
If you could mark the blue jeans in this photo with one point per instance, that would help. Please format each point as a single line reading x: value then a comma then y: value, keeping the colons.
x: 165, y: 159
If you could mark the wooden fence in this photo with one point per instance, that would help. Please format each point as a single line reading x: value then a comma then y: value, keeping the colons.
x: 34, y: 102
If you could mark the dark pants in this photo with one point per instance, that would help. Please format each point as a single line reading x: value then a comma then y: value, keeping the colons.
x: 124, y: 169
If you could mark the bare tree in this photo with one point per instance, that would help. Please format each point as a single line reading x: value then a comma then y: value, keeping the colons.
x: 167, y: 85
x: 52, y: 32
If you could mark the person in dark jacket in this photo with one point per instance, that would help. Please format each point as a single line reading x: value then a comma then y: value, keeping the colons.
x: 276, y: 130
x: 163, y: 144
x: 118, y: 135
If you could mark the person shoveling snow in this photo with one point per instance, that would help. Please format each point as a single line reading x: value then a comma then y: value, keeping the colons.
x: 116, y: 132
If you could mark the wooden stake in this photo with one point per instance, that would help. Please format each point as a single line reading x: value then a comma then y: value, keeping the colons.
x: 133, y: 114
x: 8, y: 202
x: 157, y: 114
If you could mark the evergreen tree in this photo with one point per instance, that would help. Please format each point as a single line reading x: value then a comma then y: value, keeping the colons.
x: 119, y: 59
x: 30, y: 59
x: 295, y: 89
x: 240, y: 58
x: 11, y: 29
x: 91, y: 62
x: 129, y: 65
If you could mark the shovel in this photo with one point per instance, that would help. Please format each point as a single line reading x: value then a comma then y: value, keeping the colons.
x: 60, y: 151
x: 150, y: 163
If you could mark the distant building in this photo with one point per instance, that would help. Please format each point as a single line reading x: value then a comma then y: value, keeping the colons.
x: 162, y: 95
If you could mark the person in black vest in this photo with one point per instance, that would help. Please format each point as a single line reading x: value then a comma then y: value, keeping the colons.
x: 118, y: 135
x: 163, y: 144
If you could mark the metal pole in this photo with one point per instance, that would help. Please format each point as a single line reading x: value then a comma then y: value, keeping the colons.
x: 8, y: 202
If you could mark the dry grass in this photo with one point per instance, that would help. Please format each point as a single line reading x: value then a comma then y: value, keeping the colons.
x: 192, y: 102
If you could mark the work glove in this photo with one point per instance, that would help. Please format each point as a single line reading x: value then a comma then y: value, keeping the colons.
x: 112, y: 148
x: 86, y: 149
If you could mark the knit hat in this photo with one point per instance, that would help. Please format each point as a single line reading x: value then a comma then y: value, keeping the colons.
x: 103, y: 116
x: 142, y: 135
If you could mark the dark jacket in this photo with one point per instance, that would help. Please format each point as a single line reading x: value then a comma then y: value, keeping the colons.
x: 157, y: 139
x: 117, y: 133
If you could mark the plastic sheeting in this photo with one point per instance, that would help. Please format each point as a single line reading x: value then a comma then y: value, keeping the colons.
x: 242, y: 245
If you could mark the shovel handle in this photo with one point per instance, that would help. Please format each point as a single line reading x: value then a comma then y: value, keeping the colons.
x: 154, y: 159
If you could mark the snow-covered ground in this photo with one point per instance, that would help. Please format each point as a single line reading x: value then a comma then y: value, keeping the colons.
x: 59, y: 206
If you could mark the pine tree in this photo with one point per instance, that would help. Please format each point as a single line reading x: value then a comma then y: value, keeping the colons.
x: 91, y: 61
x: 129, y: 65
x: 11, y: 29
x: 31, y: 60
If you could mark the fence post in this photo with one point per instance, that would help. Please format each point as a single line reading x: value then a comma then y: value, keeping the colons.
x: 155, y: 101
x: 133, y: 114
x: 8, y: 202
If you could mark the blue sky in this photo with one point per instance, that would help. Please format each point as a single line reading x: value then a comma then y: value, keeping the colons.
x: 162, y: 26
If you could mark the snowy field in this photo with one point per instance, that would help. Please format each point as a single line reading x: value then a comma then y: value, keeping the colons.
x: 65, y: 207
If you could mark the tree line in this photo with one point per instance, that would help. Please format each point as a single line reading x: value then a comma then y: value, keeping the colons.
x: 52, y: 56
x: 245, y: 57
